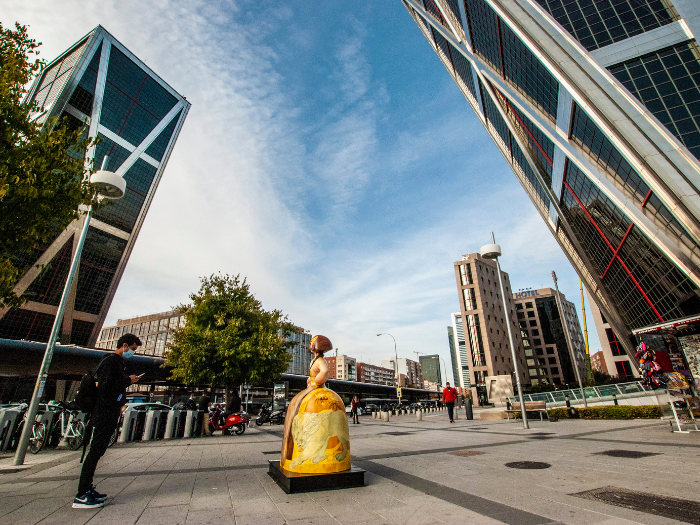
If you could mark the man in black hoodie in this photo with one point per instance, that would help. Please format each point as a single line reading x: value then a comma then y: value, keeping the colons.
x: 112, y: 382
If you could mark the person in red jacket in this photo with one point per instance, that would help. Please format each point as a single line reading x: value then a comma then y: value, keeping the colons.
x: 449, y: 395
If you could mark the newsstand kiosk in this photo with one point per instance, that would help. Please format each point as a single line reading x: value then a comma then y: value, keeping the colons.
x: 676, y: 347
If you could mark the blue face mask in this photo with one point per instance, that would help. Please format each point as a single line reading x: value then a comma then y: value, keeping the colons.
x: 128, y: 353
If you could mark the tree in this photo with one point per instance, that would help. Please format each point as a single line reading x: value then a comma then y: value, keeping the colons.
x: 41, y: 184
x: 228, y: 338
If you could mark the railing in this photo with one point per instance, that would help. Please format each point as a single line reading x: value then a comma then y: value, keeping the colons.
x: 592, y: 393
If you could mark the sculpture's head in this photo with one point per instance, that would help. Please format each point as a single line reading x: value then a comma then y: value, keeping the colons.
x: 320, y: 344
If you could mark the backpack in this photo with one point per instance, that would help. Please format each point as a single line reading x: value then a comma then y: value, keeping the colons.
x: 86, y: 396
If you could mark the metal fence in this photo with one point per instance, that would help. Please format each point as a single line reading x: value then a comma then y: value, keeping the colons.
x: 593, y: 393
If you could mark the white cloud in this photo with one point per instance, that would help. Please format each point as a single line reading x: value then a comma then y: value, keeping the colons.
x: 254, y: 188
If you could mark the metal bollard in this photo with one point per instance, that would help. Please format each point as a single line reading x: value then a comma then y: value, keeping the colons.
x: 469, y: 410
x: 128, y: 426
x: 614, y: 396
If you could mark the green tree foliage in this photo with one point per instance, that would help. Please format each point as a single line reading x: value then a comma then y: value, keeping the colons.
x: 41, y: 185
x: 228, y: 338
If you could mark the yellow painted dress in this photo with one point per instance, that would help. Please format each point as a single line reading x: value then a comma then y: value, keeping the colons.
x: 319, y: 432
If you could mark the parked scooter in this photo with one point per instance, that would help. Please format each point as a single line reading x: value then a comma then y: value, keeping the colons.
x: 234, y: 423
x: 267, y: 415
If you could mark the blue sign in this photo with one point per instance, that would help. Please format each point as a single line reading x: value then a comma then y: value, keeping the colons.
x: 526, y: 293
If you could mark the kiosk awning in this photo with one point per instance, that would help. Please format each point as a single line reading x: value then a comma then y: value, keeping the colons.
x: 662, y: 327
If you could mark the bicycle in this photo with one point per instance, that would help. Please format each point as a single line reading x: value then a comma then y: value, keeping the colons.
x: 69, y: 429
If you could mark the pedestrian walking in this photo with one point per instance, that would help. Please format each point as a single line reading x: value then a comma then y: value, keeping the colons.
x: 449, y: 395
x: 203, y: 402
x: 355, y: 410
x: 111, y: 395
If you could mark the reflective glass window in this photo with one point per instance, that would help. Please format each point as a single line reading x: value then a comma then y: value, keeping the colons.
x: 26, y: 324
x: 133, y: 102
x: 98, y: 264
x: 47, y: 288
x: 54, y: 79
x: 667, y: 82
x: 644, y: 284
x: 593, y: 141
x: 124, y: 212
x: 598, y: 23
x: 469, y: 299
x: 84, y: 93
x: 475, y: 341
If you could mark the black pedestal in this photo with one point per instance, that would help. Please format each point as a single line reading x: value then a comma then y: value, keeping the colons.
x: 293, y: 482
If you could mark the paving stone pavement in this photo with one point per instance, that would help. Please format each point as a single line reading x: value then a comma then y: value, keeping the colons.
x: 412, y: 478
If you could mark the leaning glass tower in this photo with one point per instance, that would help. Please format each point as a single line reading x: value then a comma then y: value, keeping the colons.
x: 595, y: 105
x: 138, y: 118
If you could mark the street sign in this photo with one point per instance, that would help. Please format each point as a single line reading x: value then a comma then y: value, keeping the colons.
x: 398, y: 392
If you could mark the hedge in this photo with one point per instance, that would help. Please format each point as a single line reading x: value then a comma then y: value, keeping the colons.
x: 609, y: 412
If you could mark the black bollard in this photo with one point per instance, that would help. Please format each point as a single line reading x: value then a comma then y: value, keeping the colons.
x: 615, y: 399
x: 468, y: 408
x: 568, y: 401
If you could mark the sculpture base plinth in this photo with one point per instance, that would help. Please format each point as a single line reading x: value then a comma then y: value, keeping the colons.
x: 294, y: 483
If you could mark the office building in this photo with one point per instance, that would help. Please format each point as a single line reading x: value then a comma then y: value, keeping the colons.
x: 598, y: 363
x: 542, y: 332
x: 431, y: 385
x: 596, y: 108
x: 430, y: 368
x: 458, y: 353
x: 342, y: 367
x: 375, y: 375
x: 301, y: 357
x: 138, y: 117
x: 409, y: 369
x: 154, y: 330
x: 617, y: 362
x: 482, y: 320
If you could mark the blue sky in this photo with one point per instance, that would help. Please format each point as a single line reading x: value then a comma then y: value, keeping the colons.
x: 328, y: 157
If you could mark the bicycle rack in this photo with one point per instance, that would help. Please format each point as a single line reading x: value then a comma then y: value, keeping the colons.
x: 8, y: 423
x: 172, y: 424
x: 128, y: 426
x: 152, y: 425
x: 190, y: 424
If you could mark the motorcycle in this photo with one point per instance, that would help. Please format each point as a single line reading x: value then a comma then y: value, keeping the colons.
x: 233, y: 424
x: 266, y: 414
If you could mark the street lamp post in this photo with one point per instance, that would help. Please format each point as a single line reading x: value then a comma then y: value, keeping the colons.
x: 110, y: 186
x: 493, y: 251
x: 565, y: 326
x: 396, y: 362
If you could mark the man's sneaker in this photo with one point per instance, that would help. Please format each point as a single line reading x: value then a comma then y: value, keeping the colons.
x: 87, y: 501
x: 97, y: 495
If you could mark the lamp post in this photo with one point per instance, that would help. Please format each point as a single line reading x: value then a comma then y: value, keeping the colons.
x: 444, y: 367
x: 396, y: 362
x: 110, y: 186
x: 565, y: 326
x: 493, y: 251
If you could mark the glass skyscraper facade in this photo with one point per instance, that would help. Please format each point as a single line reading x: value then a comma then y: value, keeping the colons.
x: 595, y: 105
x: 137, y: 116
